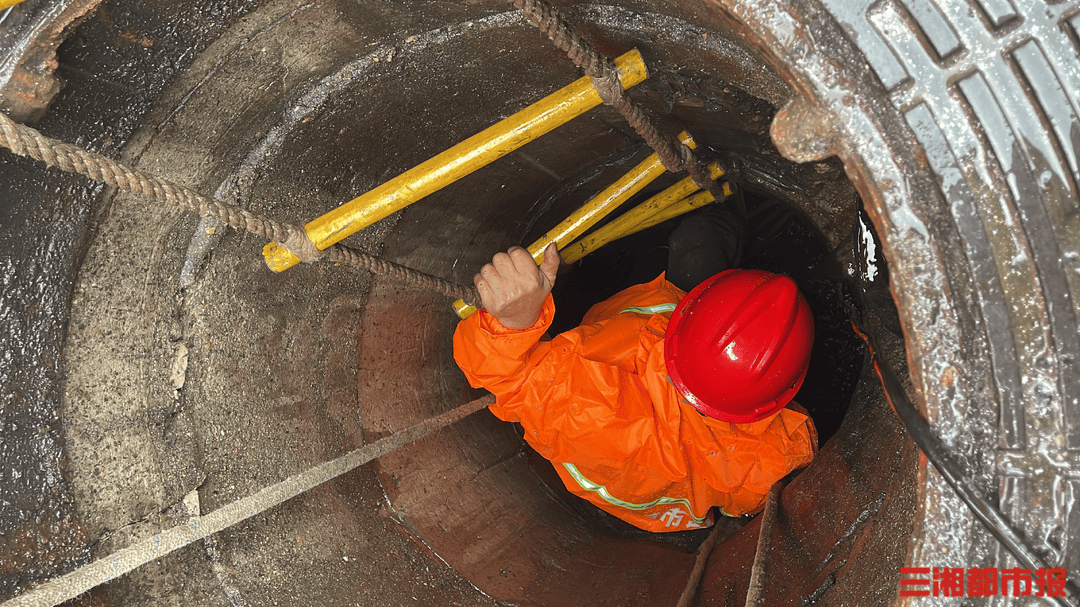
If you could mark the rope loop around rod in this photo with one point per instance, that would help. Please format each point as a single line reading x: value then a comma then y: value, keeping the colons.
x: 673, y: 154
x: 28, y: 142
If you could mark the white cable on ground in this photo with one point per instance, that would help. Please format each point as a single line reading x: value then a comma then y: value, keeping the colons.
x: 60, y: 589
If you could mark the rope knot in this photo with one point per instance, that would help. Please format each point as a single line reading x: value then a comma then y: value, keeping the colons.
x: 300, y: 245
x: 609, y: 87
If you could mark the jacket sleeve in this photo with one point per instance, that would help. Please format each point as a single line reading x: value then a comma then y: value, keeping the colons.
x: 498, y: 358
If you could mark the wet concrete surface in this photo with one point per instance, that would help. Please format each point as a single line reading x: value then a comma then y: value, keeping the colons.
x: 32, y: 33
x: 193, y: 376
x: 43, y: 234
x: 244, y: 377
x: 37, y: 524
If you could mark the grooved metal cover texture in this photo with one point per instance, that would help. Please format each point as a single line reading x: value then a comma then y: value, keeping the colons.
x: 991, y: 92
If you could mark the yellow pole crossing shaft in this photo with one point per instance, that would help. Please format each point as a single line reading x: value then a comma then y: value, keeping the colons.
x: 475, y: 152
x: 591, y: 212
x: 649, y: 213
x: 601, y: 205
x: 597, y: 240
x: 679, y: 208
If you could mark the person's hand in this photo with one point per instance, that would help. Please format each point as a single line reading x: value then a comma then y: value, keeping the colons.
x: 513, y: 289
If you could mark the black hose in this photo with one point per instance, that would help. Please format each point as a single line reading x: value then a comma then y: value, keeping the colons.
x: 938, y: 454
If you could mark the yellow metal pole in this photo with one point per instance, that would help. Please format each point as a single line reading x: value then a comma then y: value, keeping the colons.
x: 591, y: 212
x: 598, y: 239
x: 475, y: 152
x: 611, y: 232
x: 463, y: 309
x: 628, y: 222
x: 684, y: 206
x: 7, y: 3
x: 601, y: 205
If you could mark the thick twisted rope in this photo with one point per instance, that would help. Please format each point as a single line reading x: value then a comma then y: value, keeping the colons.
x: 674, y: 155
x: 25, y: 141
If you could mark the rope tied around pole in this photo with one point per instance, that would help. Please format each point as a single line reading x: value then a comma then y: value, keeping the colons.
x: 28, y: 142
x: 300, y: 245
x: 673, y: 154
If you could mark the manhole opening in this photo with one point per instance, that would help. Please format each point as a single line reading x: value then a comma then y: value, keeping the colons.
x: 463, y: 492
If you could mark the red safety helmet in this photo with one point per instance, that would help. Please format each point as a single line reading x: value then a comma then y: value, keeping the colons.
x: 738, y: 345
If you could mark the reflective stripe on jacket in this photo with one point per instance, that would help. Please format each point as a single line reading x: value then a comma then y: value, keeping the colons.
x: 597, y: 402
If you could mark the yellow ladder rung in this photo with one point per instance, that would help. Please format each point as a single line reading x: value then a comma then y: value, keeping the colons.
x: 475, y: 152
x: 670, y: 203
x: 682, y: 207
x: 601, y: 205
x: 590, y: 213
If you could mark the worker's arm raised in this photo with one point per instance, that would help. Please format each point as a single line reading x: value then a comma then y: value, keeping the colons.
x: 513, y: 289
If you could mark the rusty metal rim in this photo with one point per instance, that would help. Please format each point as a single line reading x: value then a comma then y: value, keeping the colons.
x: 966, y: 356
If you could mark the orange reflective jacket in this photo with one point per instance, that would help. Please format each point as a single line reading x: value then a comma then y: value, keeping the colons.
x: 597, y: 402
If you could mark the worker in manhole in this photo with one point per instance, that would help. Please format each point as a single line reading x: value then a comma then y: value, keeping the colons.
x: 672, y: 397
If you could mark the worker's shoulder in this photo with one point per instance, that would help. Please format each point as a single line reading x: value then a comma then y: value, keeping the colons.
x: 791, y: 422
x: 657, y: 296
